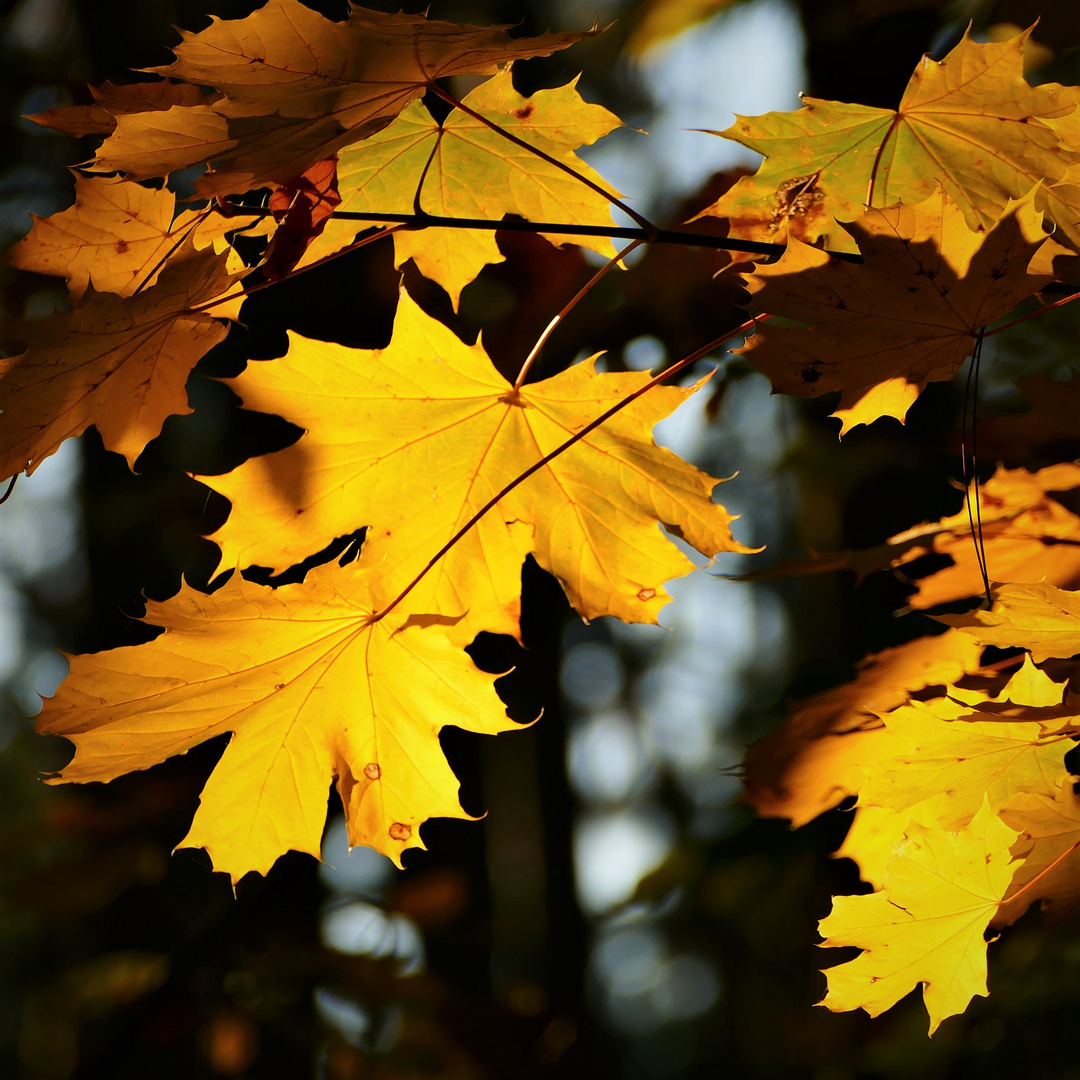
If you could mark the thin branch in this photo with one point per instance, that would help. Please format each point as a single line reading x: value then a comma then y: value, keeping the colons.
x: 1033, y: 314
x: 10, y: 488
x: 675, y: 368
x: 568, y: 307
x: 617, y: 232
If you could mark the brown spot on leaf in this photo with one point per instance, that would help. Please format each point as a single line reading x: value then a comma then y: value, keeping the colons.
x: 279, y: 686
x: 646, y: 594
x: 795, y: 198
x: 121, y: 247
x: 398, y: 831
x: 810, y: 374
x: 525, y: 111
x: 373, y: 772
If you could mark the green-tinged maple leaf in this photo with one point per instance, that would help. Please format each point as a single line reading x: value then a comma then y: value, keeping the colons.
x: 821, y: 754
x: 412, y: 440
x: 969, y: 122
x: 462, y: 168
x: 118, y: 236
x: 312, y: 690
x: 880, y: 331
x: 117, y: 363
x: 966, y: 755
x: 1037, y: 617
x: 941, y: 891
x: 298, y: 87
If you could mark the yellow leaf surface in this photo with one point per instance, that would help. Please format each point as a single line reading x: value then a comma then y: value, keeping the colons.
x: 412, y: 440
x: 967, y: 759
x: 1049, y: 841
x: 926, y: 925
x: 817, y: 758
x: 119, y: 363
x: 464, y: 169
x: 1037, y: 617
x: 298, y: 87
x: 910, y: 312
x: 117, y: 237
x: 969, y: 122
x: 311, y: 690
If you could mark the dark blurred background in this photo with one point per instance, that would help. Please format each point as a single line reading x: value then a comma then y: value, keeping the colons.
x: 616, y: 914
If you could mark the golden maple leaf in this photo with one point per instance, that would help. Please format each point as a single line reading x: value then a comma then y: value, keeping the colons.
x: 818, y: 757
x: 970, y: 122
x: 312, y: 690
x: 879, y: 332
x: 118, y: 363
x: 298, y: 87
x: 1038, y: 617
x: 462, y: 168
x: 118, y: 237
x: 941, y: 891
x: 966, y: 755
x: 414, y: 439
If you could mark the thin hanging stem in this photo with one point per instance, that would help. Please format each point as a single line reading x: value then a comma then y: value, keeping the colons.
x: 449, y: 98
x: 10, y: 488
x: 1033, y: 314
x: 675, y: 368
x: 970, y: 474
x: 569, y: 306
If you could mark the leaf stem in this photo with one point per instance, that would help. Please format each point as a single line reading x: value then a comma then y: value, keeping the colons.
x: 675, y: 368
x: 649, y: 228
x: 1033, y: 314
x: 568, y: 307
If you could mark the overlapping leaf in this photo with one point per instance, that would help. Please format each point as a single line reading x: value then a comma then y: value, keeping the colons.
x: 414, y: 439
x: 312, y: 689
x: 970, y: 122
x: 298, y: 87
x: 118, y: 363
x: 879, y: 332
x: 462, y: 168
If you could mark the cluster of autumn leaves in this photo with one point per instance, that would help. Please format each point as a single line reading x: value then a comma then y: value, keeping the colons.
x: 458, y: 475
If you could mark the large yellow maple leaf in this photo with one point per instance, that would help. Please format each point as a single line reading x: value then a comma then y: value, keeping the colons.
x: 414, y: 439
x: 117, y: 362
x: 969, y: 756
x: 821, y: 753
x: 969, y: 122
x: 462, y: 168
x: 926, y: 925
x: 312, y: 691
x: 880, y: 331
x: 297, y: 87
x: 1038, y: 617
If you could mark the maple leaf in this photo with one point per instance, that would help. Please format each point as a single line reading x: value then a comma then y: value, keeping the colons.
x: 111, y: 101
x: 412, y: 440
x: 941, y: 750
x: 462, y: 168
x: 970, y: 122
x: 302, y: 208
x: 880, y: 331
x: 298, y: 87
x: 820, y: 754
x: 926, y: 925
x: 117, y: 237
x: 1038, y: 617
x: 118, y: 363
x: 312, y: 690
x: 1050, y: 843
